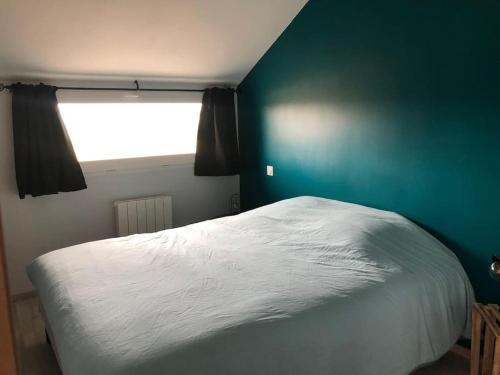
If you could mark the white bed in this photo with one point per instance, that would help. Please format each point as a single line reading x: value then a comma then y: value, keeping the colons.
x: 302, y: 286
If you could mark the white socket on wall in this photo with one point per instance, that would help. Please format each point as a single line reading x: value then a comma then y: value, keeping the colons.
x: 270, y: 170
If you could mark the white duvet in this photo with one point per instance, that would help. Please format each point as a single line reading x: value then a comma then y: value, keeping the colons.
x: 302, y: 286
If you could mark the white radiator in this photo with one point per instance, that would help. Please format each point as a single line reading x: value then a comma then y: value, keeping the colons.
x: 143, y: 215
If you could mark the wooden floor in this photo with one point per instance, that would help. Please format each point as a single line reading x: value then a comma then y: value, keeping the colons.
x: 451, y: 363
x: 37, y: 357
x: 35, y: 354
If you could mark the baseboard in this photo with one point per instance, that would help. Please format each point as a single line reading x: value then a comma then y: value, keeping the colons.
x: 23, y: 296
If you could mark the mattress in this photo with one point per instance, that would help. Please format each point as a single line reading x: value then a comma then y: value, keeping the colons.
x: 302, y: 286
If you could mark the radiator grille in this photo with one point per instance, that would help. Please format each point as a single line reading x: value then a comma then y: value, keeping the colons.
x: 143, y: 215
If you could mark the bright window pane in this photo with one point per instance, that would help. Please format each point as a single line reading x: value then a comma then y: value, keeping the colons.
x: 104, y: 131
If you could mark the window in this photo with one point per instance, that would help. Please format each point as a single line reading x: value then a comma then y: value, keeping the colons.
x: 130, y: 127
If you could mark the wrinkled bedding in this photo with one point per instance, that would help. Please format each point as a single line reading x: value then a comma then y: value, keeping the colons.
x: 302, y: 286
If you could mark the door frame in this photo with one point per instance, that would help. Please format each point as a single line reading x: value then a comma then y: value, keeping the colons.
x: 8, y: 358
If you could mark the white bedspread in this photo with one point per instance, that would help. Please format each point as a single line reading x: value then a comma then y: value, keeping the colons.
x: 302, y: 286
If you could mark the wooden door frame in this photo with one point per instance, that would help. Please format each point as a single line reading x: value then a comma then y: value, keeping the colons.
x: 8, y: 358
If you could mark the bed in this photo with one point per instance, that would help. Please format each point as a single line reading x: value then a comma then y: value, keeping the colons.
x: 302, y: 286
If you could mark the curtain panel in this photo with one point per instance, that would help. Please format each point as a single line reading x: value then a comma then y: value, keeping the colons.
x: 44, y: 157
x: 217, y: 142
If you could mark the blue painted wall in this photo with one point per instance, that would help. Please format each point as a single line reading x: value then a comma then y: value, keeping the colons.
x: 391, y: 104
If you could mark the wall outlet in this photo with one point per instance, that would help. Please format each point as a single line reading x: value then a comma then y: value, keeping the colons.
x: 270, y: 170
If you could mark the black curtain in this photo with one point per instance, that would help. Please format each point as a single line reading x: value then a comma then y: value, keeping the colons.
x: 217, y: 147
x: 44, y: 157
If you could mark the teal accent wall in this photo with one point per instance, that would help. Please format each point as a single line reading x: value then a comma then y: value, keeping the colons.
x: 391, y: 104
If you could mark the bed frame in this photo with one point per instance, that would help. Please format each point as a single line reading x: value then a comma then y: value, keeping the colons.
x: 49, y: 337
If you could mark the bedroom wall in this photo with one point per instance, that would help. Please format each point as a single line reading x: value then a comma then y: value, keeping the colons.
x: 391, y: 104
x: 34, y: 226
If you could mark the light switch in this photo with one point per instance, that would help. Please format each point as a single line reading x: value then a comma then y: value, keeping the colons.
x: 270, y: 170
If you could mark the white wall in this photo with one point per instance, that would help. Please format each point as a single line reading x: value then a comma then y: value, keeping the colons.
x: 34, y: 226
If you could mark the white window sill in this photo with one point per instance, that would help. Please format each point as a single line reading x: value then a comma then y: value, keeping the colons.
x: 116, y: 165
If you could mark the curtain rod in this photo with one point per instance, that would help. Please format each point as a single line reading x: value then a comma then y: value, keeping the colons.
x: 136, y: 88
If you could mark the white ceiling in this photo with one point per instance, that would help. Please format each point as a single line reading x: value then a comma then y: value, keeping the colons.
x: 182, y: 40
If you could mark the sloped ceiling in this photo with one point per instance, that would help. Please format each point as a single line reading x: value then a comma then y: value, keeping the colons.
x: 190, y: 40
